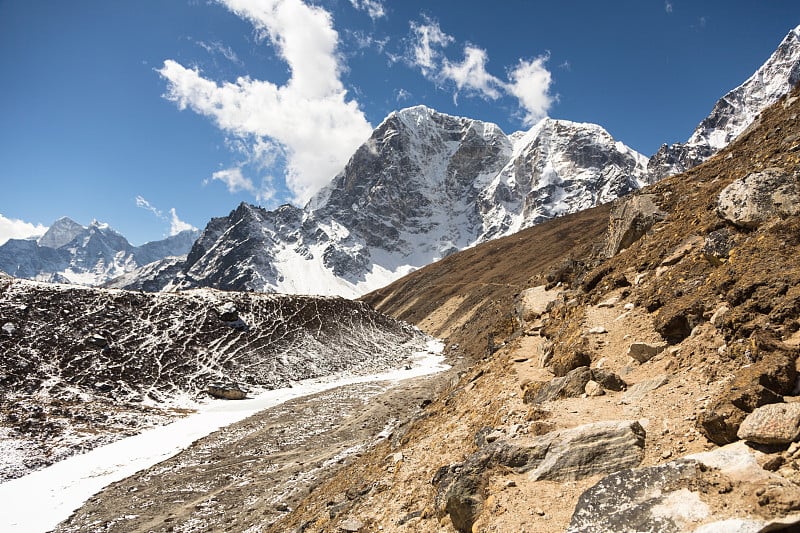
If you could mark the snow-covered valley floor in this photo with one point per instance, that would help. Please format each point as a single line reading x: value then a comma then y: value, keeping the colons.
x: 41, y: 500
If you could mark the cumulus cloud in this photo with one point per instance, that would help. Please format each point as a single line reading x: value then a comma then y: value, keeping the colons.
x: 374, y: 8
x: 13, y: 228
x: 529, y: 81
x: 176, y: 225
x: 471, y: 73
x: 309, y: 117
x: 668, y: 6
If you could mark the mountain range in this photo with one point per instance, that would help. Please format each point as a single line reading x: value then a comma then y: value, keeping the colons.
x: 71, y: 253
x: 423, y: 186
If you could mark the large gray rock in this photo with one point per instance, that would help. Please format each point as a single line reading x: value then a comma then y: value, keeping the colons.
x: 671, y: 497
x: 566, y: 455
x: 630, y: 219
x: 750, y: 201
x: 775, y: 423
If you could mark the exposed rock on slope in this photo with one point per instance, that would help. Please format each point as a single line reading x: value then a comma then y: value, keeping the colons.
x: 717, y: 298
x: 84, y: 366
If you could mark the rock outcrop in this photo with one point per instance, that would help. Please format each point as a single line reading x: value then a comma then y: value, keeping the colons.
x: 758, y: 197
x: 559, y: 456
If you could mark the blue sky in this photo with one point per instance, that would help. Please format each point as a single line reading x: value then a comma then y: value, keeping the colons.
x: 157, y: 115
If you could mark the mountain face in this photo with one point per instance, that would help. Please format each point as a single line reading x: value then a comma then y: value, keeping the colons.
x: 71, y: 253
x: 424, y: 185
x: 734, y: 112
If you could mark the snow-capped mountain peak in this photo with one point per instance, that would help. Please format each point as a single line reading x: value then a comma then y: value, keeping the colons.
x: 735, y: 111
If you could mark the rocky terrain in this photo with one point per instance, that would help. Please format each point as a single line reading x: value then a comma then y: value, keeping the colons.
x: 632, y: 367
x: 93, y: 255
x: 646, y: 383
x: 82, y: 366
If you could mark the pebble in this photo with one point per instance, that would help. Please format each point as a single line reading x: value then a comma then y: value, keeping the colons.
x: 598, y: 330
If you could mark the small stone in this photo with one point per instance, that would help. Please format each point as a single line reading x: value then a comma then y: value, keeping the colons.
x: 598, y: 330
x: 593, y: 389
x: 666, y: 454
x: 718, y: 318
x: 510, y: 483
x: 611, y: 302
x: 629, y: 306
x: 351, y: 525
x: 539, y: 511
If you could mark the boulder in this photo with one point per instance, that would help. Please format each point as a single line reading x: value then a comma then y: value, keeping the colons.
x: 532, y: 303
x: 608, y: 380
x: 775, y: 423
x: 644, y: 351
x: 761, y: 383
x: 630, y: 219
x: 681, y: 494
x: 570, y: 386
x: 750, y: 201
x: 593, y: 389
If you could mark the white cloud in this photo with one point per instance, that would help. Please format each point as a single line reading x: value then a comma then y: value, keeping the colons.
x: 530, y: 83
x: 401, y: 95
x: 374, y: 8
x: 176, y: 224
x: 668, y: 6
x: 144, y: 204
x: 13, y: 228
x: 309, y: 117
x: 234, y: 180
x: 428, y: 39
x: 471, y: 73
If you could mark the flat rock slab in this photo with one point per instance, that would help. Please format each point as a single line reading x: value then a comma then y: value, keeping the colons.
x: 644, y: 351
x: 775, y: 423
x: 637, y: 392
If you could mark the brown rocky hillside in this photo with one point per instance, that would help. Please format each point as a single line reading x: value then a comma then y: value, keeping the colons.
x: 634, y: 367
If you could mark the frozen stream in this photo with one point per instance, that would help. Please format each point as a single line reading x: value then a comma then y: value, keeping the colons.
x: 41, y: 500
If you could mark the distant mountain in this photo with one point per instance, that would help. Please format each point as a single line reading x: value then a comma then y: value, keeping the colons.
x: 71, y: 253
x: 735, y: 111
x: 423, y: 186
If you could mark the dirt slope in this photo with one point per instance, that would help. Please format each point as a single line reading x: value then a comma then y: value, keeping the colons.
x: 720, y: 299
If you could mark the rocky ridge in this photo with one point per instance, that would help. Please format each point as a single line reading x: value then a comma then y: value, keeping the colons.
x: 705, y: 291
